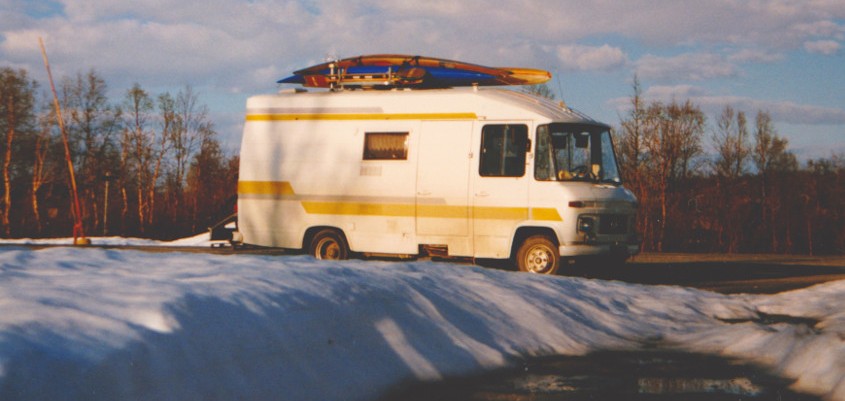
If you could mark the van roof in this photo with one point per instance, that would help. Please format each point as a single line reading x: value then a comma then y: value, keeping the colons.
x: 480, y: 103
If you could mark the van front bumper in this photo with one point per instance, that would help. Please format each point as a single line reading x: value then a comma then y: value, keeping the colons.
x: 621, y: 249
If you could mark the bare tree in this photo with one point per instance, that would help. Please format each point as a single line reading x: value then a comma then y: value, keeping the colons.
x: 17, y: 116
x: 770, y: 150
x: 162, y: 136
x: 169, y: 122
x: 191, y: 124
x: 731, y: 144
x: 771, y: 158
x: 192, y: 119
x: 730, y: 140
x: 206, y: 177
x: 93, y: 122
x: 630, y: 142
x: 672, y: 141
x: 40, y: 169
x: 124, y: 168
x: 138, y: 106
x: 631, y: 151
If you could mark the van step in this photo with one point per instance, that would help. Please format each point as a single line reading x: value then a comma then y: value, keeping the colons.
x: 438, y: 251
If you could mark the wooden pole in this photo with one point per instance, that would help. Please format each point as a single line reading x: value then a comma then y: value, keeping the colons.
x: 107, y: 178
x: 78, y: 231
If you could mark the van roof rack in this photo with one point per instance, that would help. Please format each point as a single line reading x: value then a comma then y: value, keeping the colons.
x: 388, y: 71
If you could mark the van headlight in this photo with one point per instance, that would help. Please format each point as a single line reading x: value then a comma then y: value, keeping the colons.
x: 586, y: 224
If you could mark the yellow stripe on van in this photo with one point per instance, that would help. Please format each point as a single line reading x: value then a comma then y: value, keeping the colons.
x: 545, y: 214
x: 264, y: 188
x: 500, y: 213
x: 354, y: 116
x: 516, y: 213
x: 359, y: 208
x: 347, y: 208
x: 443, y: 211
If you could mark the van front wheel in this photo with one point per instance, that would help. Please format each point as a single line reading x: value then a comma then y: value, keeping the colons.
x: 329, y: 244
x: 538, y: 254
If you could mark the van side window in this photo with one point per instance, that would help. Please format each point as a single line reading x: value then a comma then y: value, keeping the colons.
x: 386, y: 146
x: 503, y: 149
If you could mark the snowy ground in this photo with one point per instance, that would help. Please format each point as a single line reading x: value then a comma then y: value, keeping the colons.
x: 199, y: 240
x: 108, y: 324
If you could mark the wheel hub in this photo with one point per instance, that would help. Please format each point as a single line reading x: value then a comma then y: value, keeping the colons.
x: 328, y: 250
x: 538, y: 260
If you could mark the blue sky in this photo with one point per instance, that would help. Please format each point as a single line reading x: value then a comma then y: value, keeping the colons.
x: 785, y: 57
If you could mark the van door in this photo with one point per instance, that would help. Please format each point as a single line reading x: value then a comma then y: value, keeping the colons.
x: 443, y: 184
x: 500, y: 187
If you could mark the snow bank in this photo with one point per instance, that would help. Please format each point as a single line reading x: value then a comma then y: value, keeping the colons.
x: 199, y: 240
x: 107, y: 324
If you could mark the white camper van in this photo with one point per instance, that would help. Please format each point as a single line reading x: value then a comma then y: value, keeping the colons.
x: 479, y: 173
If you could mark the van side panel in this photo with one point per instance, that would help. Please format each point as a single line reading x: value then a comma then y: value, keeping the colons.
x: 442, y: 207
x: 264, y: 198
x: 314, y: 174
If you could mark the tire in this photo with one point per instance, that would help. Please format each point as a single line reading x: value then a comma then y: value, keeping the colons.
x: 538, y: 254
x: 329, y: 244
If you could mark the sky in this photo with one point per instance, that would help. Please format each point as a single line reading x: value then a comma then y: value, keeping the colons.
x: 781, y: 56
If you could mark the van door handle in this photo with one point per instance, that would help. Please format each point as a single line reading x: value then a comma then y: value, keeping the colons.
x: 482, y: 194
x: 423, y: 193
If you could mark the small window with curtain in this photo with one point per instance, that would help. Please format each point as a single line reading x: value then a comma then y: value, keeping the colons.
x: 386, y: 146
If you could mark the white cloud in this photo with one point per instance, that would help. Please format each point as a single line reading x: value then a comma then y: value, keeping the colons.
x: 781, y: 110
x: 817, y: 28
x: 688, y: 66
x: 825, y: 47
x: 237, y: 47
x: 755, y: 56
x: 219, y: 36
x: 587, y: 58
x: 667, y: 93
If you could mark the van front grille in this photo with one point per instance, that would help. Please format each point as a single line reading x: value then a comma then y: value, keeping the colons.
x: 613, y: 224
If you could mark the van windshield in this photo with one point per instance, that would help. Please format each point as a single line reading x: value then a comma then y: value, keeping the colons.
x: 575, y: 152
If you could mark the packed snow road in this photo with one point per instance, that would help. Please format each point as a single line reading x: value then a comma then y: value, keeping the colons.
x: 113, y: 324
x: 727, y: 274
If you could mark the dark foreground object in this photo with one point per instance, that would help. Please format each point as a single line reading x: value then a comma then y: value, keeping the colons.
x: 645, y: 376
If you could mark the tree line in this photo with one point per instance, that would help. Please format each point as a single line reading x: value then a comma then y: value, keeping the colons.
x: 151, y: 165
x: 749, y: 194
x: 146, y: 165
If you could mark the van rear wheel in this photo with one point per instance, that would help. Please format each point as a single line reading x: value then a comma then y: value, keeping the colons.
x: 538, y: 254
x: 329, y: 244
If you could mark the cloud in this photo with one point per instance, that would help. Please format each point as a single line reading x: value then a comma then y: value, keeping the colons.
x: 586, y: 58
x: 820, y: 28
x: 825, y: 47
x: 231, y: 48
x: 665, y: 93
x: 755, y: 56
x: 229, y: 35
x: 688, y: 66
x: 781, y: 111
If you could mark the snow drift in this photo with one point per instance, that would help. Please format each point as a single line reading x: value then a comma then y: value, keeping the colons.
x: 107, y: 324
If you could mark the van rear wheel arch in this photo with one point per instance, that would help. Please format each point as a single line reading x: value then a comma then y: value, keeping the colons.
x: 327, y: 243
